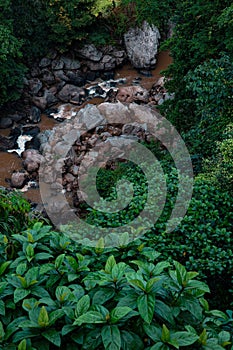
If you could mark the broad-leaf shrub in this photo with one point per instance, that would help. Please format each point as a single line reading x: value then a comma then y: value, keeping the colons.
x: 202, y: 241
x: 57, y: 294
x: 14, y: 212
x: 218, y: 169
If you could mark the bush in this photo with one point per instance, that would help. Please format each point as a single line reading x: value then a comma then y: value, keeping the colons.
x: 202, y: 241
x: 14, y: 212
x: 219, y: 168
x: 12, y: 70
x: 56, y: 294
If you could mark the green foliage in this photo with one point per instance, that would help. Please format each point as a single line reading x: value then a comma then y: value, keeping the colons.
x: 219, y: 168
x: 226, y: 25
x: 201, y: 75
x: 202, y: 241
x: 14, y: 210
x: 68, y: 21
x: 154, y: 12
x: 12, y: 70
x: 62, y: 295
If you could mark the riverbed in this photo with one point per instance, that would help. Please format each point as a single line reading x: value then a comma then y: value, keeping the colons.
x: 11, y: 161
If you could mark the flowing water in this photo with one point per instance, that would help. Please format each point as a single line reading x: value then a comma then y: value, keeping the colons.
x: 11, y: 161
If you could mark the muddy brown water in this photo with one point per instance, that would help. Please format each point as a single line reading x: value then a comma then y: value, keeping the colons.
x: 11, y: 161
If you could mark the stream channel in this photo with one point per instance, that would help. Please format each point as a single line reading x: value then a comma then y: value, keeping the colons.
x: 12, y: 161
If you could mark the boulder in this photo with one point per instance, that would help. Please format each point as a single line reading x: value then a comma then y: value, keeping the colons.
x: 76, y: 78
x: 142, y: 45
x: 90, y: 52
x: 34, y: 115
x: 5, y: 122
x: 72, y: 93
x: 18, y: 179
x: 71, y: 64
x: 44, y: 62
x: 6, y: 143
x: 132, y: 94
x: 35, y: 85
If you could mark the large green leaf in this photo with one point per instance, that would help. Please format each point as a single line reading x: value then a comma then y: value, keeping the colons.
x: 2, y: 332
x: 2, y: 308
x: 184, y: 338
x: 111, y: 337
x: 90, y: 317
x: 20, y: 294
x: 163, y: 311
x: 62, y: 293
x: 22, y: 345
x: 119, y: 312
x: 103, y: 295
x: 4, y: 266
x: 55, y: 315
x: 53, y: 336
x: 43, y: 318
x: 146, y: 307
x: 131, y: 341
x: 118, y: 271
x: 180, y: 273
x: 82, y: 305
x: 109, y: 264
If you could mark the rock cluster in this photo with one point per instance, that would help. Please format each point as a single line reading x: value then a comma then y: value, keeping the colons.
x: 87, y: 139
x: 158, y: 93
x: 59, y: 78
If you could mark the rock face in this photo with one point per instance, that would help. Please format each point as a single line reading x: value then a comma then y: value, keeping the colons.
x: 142, y: 46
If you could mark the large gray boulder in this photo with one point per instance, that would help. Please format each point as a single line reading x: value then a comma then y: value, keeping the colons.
x: 142, y: 45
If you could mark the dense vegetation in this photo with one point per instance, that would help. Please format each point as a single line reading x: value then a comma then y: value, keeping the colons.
x: 56, y: 293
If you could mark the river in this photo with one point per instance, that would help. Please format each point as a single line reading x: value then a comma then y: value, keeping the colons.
x: 11, y: 161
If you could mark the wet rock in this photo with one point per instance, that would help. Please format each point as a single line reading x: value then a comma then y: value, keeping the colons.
x: 74, y: 170
x: 90, y: 117
x: 45, y: 62
x: 90, y: 76
x: 47, y: 77
x: 90, y: 52
x: 142, y: 45
x: 6, y: 143
x: 35, y: 85
x: 69, y: 177
x: 31, y: 130
x: 72, y: 93
x: 132, y: 94
x: 17, y: 117
x: 5, y: 122
x: 75, y: 78
x: 109, y: 62
x: 50, y: 97
x: 43, y: 137
x: 95, y: 66
x: 60, y: 75
x: 108, y: 75
x: 146, y: 73
x: 18, y: 179
x: 58, y: 64
x: 34, y: 115
x: 40, y: 102
x: 71, y: 64
x: 61, y: 149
